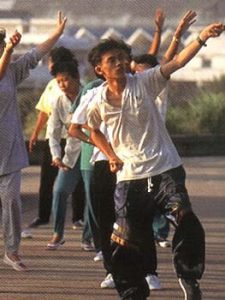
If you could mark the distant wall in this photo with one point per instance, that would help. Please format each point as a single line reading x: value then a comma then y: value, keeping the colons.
x: 207, y: 145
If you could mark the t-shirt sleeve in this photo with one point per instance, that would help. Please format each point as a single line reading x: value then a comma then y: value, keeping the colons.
x: 153, y: 80
x: 94, y: 119
x: 45, y: 102
x: 23, y: 65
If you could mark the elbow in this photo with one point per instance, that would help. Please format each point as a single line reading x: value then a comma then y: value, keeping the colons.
x: 73, y: 131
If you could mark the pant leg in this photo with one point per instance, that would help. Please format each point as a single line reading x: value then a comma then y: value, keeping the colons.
x: 189, y: 239
x: 11, y: 210
x: 47, y: 178
x: 134, y: 208
x: 78, y: 201
x: 161, y: 226
x: 90, y: 222
x: 104, y: 186
x: 65, y: 184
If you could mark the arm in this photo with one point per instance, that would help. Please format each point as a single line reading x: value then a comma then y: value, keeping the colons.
x: 191, y: 50
x: 41, y: 121
x: 46, y: 46
x: 75, y: 130
x: 159, y: 21
x: 187, y: 20
x: 8, y: 50
x: 101, y: 142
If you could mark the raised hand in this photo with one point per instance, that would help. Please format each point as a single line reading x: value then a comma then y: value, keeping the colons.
x: 212, y: 30
x: 13, y: 41
x: 159, y: 18
x: 187, y: 20
x: 61, y: 22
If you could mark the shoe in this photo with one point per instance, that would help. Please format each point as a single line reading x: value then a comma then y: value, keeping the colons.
x: 108, y: 282
x: 98, y: 256
x: 87, y: 246
x: 164, y: 243
x: 26, y: 234
x: 17, y: 264
x: 37, y: 222
x: 54, y: 245
x: 153, y: 282
x: 78, y: 224
x: 191, y: 289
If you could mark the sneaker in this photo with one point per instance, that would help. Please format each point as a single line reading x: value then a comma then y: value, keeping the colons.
x: 87, y: 246
x: 164, y: 243
x: 98, y: 256
x: 78, y: 224
x: 108, y: 282
x: 55, y: 243
x: 37, y: 222
x: 191, y: 289
x: 153, y: 282
x: 26, y: 234
x: 15, y: 262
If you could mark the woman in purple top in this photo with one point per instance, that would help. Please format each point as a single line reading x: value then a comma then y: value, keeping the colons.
x: 13, y: 154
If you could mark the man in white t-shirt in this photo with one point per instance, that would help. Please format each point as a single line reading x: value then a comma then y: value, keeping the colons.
x: 149, y: 169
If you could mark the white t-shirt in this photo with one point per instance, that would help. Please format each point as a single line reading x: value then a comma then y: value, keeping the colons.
x: 136, y: 129
x: 80, y: 117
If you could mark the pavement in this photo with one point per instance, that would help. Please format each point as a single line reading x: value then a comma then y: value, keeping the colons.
x: 71, y: 273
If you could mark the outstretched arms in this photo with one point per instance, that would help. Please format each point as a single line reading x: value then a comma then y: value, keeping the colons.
x: 192, y: 49
x: 187, y: 20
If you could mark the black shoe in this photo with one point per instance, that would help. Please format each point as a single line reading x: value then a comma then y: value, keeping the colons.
x: 191, y: 289
x: 37, y: 222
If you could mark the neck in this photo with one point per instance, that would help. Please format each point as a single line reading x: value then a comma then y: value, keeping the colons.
x: 116, y: 86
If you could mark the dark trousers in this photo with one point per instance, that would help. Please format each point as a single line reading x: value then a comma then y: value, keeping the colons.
x: 135, y: 204
x: 104, y: 183
x: 47, y: 179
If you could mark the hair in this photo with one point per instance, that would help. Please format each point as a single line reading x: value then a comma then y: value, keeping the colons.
x: 2, y: 34
x: 105, y: 45
x: 59, y: 54
x: 146, y: 59
x: 69, y: 67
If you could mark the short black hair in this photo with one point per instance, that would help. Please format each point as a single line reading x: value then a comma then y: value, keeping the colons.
x: 58, y: 54
x: 2, y: 34
x: 70, y: 67
x: 146, y: 59
x: 105, y: 45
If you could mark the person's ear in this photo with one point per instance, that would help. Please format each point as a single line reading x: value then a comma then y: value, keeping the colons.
x: 98, y: 70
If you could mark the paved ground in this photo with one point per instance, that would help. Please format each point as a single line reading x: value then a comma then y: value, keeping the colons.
x: 70, y: 273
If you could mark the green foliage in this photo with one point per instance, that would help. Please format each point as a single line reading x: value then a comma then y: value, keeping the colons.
x: 204, y: 115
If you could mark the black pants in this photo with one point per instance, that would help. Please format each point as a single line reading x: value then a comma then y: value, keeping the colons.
x: 104, y: 183
x: 47, y: 179
x: 135, y: 203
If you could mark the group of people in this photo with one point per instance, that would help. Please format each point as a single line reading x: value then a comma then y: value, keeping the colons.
x: 108, y: 139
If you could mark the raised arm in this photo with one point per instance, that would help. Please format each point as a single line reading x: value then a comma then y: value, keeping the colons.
x: 46, y: 46
x: 192, y: 49
x: 187, y: 20
x: 8, y: 50
x: 159, y: 21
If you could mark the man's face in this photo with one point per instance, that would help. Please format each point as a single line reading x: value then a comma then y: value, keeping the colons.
x: 113, y: 64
